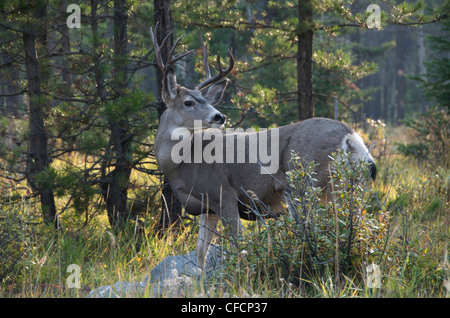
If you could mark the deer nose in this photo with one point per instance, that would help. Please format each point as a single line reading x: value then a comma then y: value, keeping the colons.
x: 219, y: 118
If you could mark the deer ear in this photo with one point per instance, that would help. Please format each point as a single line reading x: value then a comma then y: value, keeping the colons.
x: 170, y: 85
x: 214, y: 93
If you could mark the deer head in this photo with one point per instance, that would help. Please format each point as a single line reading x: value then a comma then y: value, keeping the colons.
x: 185, y: 105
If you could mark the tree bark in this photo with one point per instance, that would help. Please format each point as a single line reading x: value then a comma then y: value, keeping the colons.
x: 400, y: 52
x: 115, y: 189
x: 9, y: 105
x: 393, y: 90
x: 99, y: 80
x: 38, y: 160
x: 422, y: 68
x: 304, y: 60
x: 65, y: 45
x: 170, y: 205
x: 163, y: 16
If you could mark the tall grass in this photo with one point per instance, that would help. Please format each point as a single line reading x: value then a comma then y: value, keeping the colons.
x: 104, y: 257
x: 272, y: 259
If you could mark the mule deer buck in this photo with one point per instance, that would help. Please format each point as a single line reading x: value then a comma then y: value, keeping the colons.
x: 219, y: 189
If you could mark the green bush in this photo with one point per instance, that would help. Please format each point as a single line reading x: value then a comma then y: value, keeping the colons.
x: 311, y: 239
x: 431, y: 133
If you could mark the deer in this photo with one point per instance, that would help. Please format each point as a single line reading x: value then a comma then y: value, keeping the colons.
x: 224, y: 189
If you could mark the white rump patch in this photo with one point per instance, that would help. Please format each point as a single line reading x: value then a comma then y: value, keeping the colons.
x: 353, y: 143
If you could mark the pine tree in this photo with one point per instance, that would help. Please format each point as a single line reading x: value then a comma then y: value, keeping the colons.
x: 437, y: 84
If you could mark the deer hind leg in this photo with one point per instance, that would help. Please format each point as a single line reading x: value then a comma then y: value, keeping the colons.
x: 208, y: 228
x: 232, y: 225
x: 229, y: 214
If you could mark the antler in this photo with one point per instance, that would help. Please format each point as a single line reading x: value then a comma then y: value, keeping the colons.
x: 222, y: 72
x: 171, y: 59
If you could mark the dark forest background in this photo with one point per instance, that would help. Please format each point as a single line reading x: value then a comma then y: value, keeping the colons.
x: 79, y: 107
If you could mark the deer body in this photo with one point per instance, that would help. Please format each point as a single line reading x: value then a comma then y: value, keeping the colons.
x: 314, y: 139
x: 221, y: 189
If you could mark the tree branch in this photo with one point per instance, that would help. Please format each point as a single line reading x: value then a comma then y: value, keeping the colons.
x: 14, y: 94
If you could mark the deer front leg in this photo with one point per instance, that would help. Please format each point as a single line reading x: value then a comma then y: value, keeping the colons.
x: 208, y: 228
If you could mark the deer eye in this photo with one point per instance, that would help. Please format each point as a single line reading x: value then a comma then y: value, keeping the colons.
x: 189, y: 103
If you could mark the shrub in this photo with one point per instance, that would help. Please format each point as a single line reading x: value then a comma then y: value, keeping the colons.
x: 311, y: 239
x: 431, y: 133
x: 430, y: 148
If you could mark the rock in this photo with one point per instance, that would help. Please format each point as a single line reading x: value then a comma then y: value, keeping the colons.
x: 118, y: 290
x: 172, y: 277
x: 186, y: 265
x: 175, y: 274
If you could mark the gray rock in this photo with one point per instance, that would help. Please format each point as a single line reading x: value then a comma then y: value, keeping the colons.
x: 118, y: 290
x: 186, y: 265
x: 172, y: 277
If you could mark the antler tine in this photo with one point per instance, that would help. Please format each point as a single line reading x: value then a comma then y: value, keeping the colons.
x: 171, y: 59
x: 205, y: 55
x: 157, y: 47
x: 222, y: 72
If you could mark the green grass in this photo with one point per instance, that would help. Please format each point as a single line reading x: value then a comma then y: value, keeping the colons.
x: 414, y: 262
x: 104, y: 258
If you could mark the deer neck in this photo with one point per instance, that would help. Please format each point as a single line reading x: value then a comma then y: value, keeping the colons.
x: 164, y: 144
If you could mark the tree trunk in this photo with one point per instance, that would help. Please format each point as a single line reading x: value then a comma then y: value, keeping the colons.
x: 38, y: 160
x: 117, y: 181
x: 65, y: 45
x: 170, y: 206
x: 99, y: 80
x: 393, y: 90
x: 400, y: 52
x: 422, y: 68
x: 304, y: 60
x: 163, y: 15
x: 9, y: 105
